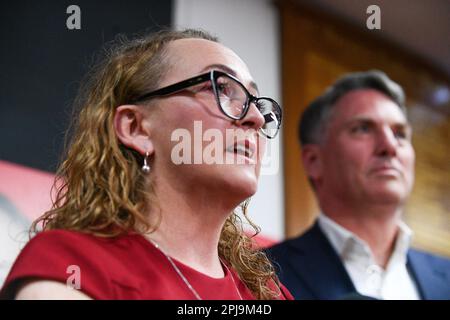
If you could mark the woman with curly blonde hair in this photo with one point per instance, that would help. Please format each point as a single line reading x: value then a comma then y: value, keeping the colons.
x: 134, y: 216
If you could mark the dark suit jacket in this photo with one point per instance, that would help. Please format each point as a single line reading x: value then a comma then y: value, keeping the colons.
x: 311, y: 269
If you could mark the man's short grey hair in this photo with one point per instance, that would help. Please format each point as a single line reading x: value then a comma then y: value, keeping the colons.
x: 314, y: 119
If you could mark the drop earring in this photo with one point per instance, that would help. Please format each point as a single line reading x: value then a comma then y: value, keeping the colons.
x: 146, y: 167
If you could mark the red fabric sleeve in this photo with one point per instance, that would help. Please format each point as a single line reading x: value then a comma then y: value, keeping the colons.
x: 49, y: 255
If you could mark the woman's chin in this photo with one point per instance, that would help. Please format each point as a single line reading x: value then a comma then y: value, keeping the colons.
x: 234, y: 182
x: 244, y: 183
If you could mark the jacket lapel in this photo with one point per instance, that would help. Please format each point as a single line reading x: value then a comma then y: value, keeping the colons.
x: 430, y: 281
x: 318, y: 265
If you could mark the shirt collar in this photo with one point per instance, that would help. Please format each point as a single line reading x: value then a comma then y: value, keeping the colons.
x: 336, y: 234
x: 347, y: 243
x: 402, y: 244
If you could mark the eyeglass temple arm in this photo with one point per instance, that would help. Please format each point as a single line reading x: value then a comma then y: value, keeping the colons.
x: 175, y: 87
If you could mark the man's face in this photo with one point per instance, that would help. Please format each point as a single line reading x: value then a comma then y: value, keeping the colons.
x: 366, y: 154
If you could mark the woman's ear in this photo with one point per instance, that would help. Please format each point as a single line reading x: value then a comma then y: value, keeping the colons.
x: 132, y: 128
x: 312, y: 161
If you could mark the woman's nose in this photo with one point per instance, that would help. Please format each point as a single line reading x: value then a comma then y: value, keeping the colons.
x: 253, y: 119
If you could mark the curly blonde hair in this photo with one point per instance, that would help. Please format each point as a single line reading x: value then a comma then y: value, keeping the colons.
x: 100, y: 188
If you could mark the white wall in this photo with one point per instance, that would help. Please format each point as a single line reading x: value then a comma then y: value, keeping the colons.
x: 251, y: 29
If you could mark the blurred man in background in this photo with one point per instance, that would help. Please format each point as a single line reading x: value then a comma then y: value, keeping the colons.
x: 357, y: 152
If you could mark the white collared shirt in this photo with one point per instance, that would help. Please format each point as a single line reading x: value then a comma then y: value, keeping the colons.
x: 392, y: 283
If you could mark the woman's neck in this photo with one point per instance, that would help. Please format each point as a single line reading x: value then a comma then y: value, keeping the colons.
x: 190, y: 228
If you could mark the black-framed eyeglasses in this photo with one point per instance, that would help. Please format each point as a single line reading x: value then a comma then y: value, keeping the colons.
x: 232, y: 98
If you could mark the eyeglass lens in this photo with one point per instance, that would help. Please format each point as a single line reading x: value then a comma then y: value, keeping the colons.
x: 233, y: 98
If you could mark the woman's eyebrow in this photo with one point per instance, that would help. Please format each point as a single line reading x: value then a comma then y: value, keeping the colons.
x: 228, y: 70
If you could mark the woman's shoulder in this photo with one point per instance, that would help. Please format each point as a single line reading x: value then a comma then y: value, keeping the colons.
x: 61, y: 244
x: 64, y: 255
x: 78, y: 248
x: 84, y: 243
x: 58, y: 237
